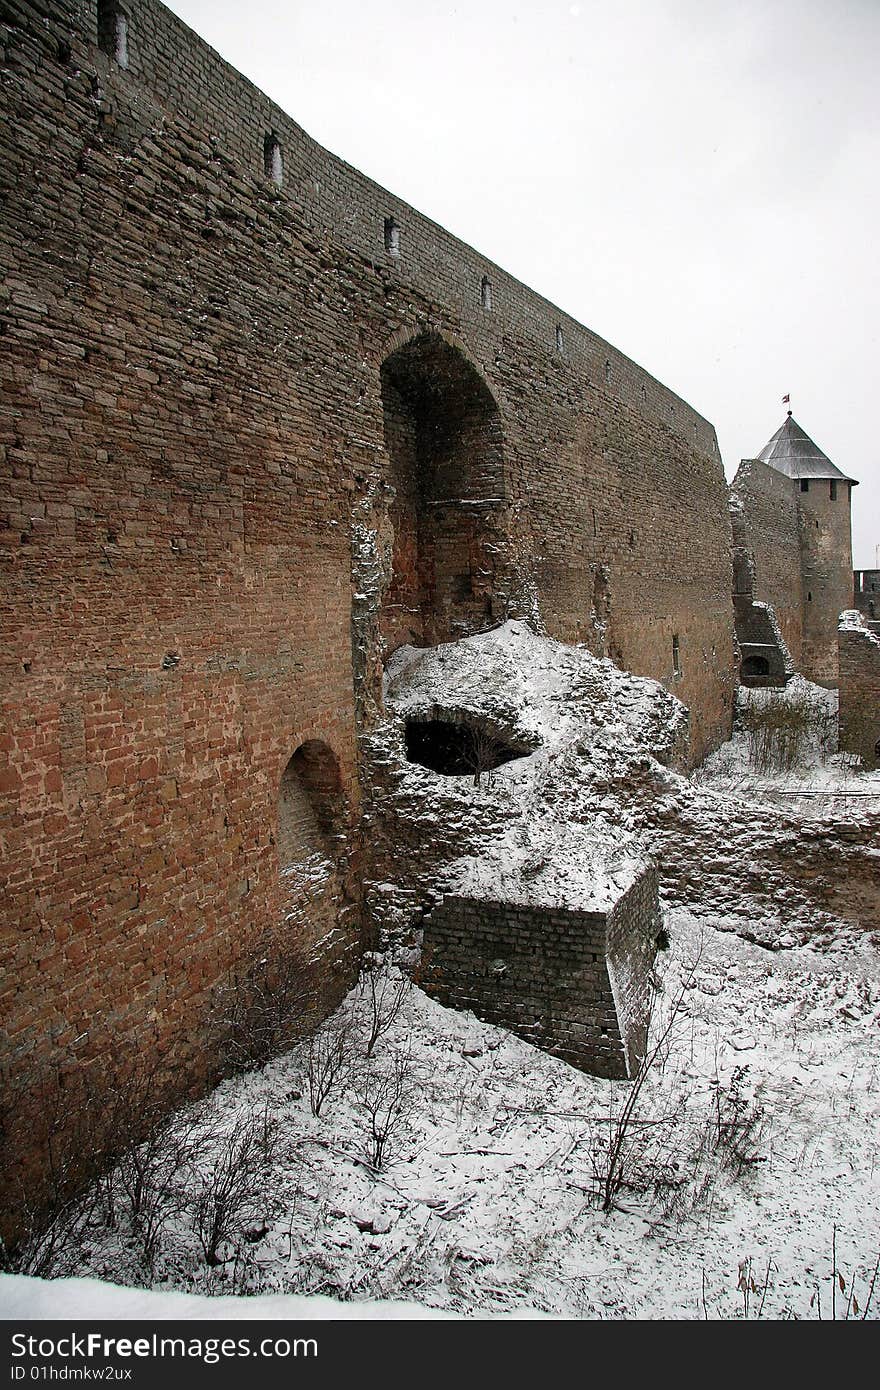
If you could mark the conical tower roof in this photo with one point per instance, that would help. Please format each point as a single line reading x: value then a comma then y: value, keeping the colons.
x: 791, y: 451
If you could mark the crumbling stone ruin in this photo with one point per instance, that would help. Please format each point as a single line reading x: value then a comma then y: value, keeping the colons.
x: 866, y: 596
x: 264, y: 427
x: 791, y: 523
x: 571, y: 979
x: 859, y: 686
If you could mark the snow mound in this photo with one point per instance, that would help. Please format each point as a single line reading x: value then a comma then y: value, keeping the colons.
x: 603, y: 788
x: 545, y: 691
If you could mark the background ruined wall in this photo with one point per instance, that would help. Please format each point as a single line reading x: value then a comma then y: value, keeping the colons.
x: 192, y: 380
x: 859, y: 689
x: 826, y: 566
x: 766, y: 504
x: 866, y: 594
x: 797, y: 546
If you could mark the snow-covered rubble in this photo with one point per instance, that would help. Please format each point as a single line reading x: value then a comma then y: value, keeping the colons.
x: 554, y: 693
x: 605, y: 784
x: 565, y: 869
x: 511, y: 832
x: 751, y: 1183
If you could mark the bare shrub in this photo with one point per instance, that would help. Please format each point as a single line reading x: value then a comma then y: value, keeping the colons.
x: 228, y: 1191
x: 385, y: 991
x: 57, y: 1197
x: 780, y: 731
x: 266, y: 1007
x: 147, y: 1182
x: 728, y: 1138
x: 107, y: 1156
x: 481, y: 754
x: 739, y: 1123
x: 332, y: 1055
x: 615, y: 1162
x: 385, y: 1094
x: 49, y: 1244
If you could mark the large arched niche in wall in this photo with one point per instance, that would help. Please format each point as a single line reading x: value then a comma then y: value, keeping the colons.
x: 311, y: 815
x: 444, y: 441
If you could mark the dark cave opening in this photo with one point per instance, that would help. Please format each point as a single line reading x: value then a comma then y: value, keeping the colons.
x: 755, y: 666
x: 456, y: 749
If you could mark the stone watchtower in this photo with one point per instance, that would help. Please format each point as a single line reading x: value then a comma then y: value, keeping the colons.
x: 820, y: 540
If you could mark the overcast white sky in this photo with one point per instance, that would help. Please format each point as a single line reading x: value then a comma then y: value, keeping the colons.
x: 696, y: 180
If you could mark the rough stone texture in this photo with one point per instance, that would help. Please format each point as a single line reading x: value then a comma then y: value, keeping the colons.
x: 197, y: 456
x: 765, y: 659
x: 793, y: 879
x: 866, y: 596
x: 826, y: 568
x: 793, y: 551
x: 574, y: 983
x: 766, y: 535
x: 859, y: 694
x: 764, y: 655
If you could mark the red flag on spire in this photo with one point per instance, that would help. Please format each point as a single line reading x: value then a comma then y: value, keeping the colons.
x: 785, y: 400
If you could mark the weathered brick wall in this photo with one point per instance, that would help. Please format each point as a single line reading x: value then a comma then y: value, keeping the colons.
x: 176, y: 601
x: 859, y: 688
x: 193, y: 414
x: 631, y: 945
x: 574, y: 983
x: 765, y: 508
x: 826, y: 567
x: 584, y: 425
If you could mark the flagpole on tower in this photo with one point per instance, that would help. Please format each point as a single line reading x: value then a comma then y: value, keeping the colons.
x: 785, y: 401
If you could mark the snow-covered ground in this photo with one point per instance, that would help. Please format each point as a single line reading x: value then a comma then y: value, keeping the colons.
x: 749, y: 1171
x: 753, y: 1157
x: 822, y: 782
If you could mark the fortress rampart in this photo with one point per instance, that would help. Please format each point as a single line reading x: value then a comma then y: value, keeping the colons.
x: 262, y: 422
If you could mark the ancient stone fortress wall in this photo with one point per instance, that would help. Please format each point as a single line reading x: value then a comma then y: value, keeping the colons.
x: 859, y: 688
x: 767, y: 537
x: 824, y: 512
x: 573, y: 982
x: 236, y: 376
x: 602, y: 478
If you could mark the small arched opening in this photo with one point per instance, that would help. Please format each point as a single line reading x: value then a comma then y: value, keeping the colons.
x: 310, y: 807
x: 755, y: 666
x: 444, y: 441
x: 307, y: 964
x: 113, y: 30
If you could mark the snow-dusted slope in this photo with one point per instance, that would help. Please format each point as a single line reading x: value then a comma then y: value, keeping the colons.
x: 750, y: 1169
x: 754, y: 1148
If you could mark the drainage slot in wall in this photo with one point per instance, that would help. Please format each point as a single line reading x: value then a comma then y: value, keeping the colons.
x: 457, y: 749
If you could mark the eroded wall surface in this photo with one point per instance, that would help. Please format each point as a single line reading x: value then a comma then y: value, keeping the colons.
x: 573, y: 983
x: 826, y: 567
x: 765, y: 512
x: 197, y: 461
x: 866, y: 594
x: 859, y: 690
